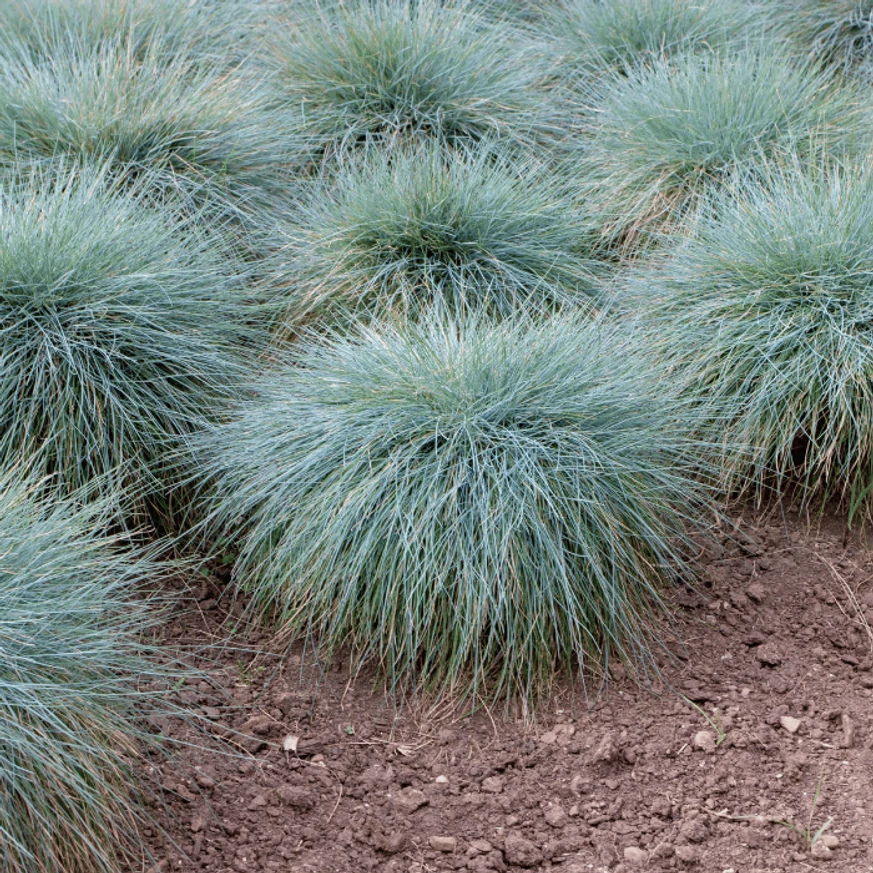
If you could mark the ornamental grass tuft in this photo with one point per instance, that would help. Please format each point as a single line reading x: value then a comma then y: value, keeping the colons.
x: 430, y: 227
x: 42, y: 27
x: 835, y: 33
x: 118, y: 332
x: 766, y: 314
x: 389, y: 71
x: 195, y: 127
x: 471, y: 509
x: 214, y: 30
x: 593, y: 36
x: 658, y: 138
x: 74, y: 680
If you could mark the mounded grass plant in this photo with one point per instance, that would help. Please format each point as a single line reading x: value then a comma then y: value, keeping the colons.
x: 429, y: 227
x: 196, y: 128
x: 658, y: 138
x: 42, y: 27
x: 74, y: 680
x: 836, y: 33
x: 119, y: 331
x: 390, y: 71
x: 211, y: 31
x: 469, y: 508
x: 596, y: 36
x: 766, y: 314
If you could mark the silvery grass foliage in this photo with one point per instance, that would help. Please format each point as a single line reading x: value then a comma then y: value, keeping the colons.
x: 597, y: 36
x: 659, y: 137
x: 44, y: 27
x: 470, y: 508
x: 195, y: 127
x: 390, y: 71
x: 119, y: 329
x: 767, y: 314
x: 836, y: 33
x: 74, y: 675
x: 465, y: 230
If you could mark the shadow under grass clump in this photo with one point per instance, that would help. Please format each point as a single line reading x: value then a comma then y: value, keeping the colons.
x: 766, y: 314
x: 74, y: 688
x: 119, y: 331
x: 431, y: 227
x: 383, y: 72
x: 197, y: 129
x: 471, y: 509
x: 660, y: 137
x: 594, y: 37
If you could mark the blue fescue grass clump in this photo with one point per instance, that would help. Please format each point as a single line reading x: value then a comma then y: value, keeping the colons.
x: 195, y: 127
x: 42, y: 27
x: 766, y: 313
x: 835, y: 33
x: 429, y: 227
x: 213, y: 30
x: 74, y: 680
x: 660, y: 137
x: 594, y: 37
x: 119, y: 327
x: 391, y: 71
x: 471, y: 509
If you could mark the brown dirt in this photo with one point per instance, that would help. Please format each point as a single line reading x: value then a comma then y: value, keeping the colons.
x: 639, y: 781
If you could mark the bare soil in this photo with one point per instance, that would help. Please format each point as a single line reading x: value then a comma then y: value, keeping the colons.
x: 759, y: 734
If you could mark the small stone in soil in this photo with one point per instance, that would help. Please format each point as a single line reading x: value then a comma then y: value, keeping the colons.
x: 442, y: 780
x: 820, y: 850
x: 410, y: 799
x: 848, y: 731
x: 756, y: 592
x: 705, y: 741
x: 768, y: 656
x: 688, y: 854
x: 520, y: 851
x: 480, y: 847
x: 792, y: 725
x: 556, y: 817
x: 635, y: 856
x: 204, y: 780
x: 492, y: 785
x: 295, y: 797
x: 580, y: 784
x: 393, y: 843
x: 443, y: 844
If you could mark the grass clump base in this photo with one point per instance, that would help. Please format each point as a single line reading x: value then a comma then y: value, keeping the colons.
x: 470, y: 509
x: 431, y: 227
x: 117, y: 333
x: 73, y: 677
x: 766, y: 313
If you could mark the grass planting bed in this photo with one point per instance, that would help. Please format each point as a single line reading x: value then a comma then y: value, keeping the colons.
x: 436, y: 435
